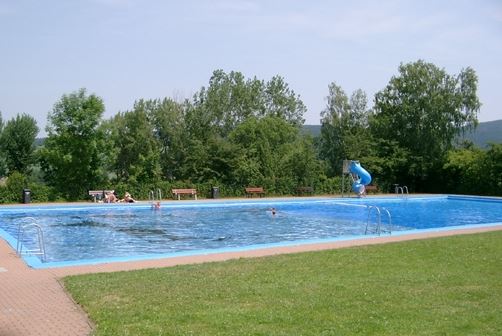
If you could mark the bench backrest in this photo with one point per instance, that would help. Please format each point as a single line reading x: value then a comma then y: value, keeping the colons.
x: 254, y: 189
x: 184, y: 191
x: 100, y: 192
x: 305, y: 189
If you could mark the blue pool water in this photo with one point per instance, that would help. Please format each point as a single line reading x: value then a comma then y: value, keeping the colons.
x: 93, y: 233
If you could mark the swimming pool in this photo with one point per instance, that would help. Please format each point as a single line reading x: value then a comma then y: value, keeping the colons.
x: 80, y: 234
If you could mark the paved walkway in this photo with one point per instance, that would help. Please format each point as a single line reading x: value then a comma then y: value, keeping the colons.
x: 33, y: 302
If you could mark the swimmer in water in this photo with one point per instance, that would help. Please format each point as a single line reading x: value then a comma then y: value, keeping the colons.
x: 156, y: 206
x: 273, y: 211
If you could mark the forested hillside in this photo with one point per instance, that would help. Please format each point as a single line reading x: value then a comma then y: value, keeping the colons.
x: 486, y: 133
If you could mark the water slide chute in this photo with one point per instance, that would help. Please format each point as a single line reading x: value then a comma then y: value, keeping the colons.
x: 363, y: 177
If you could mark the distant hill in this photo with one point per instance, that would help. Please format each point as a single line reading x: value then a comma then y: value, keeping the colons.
x: 486, y: 132
x: 39, y: 142
x: 314, y: 130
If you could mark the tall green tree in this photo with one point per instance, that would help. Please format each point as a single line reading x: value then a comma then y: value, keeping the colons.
x: 72, y: 157
x: 423, y: 109
x: 169, y: 127
x: 137, y: 150
x: 17, y: 142
x: 230, y: 99
x: 268, y: 147
x: 344, y: 128
x: 283, y: 102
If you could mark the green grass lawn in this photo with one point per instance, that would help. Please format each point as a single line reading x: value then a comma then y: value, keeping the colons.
x: 444, y: 286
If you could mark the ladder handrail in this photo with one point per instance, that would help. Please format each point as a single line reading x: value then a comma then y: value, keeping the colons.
x: 378, y: 211
x: 152, y: 195
x: 402, y: 189
x: 379, y: 218
x: 21, y: 230
x: 389, y: 217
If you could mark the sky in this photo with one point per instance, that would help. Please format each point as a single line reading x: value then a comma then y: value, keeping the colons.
x: 125, y: 50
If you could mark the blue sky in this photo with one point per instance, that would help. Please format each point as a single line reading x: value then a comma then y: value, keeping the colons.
x: 124, y: 50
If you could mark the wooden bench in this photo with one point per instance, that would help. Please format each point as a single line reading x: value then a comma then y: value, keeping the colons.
x: 99, y: 194
x: 250, y: 191
x: 178, y: 192
x: 304, y: 190
x: 372, y: 188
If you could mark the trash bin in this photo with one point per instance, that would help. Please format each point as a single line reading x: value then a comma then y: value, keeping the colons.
x: 26, y: 196
x: 215, y: 192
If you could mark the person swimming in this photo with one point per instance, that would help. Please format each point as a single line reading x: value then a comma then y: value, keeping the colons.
x: 273, y: 211
x: 156, y: 206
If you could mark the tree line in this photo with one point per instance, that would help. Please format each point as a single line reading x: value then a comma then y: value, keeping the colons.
x: 239, y: 132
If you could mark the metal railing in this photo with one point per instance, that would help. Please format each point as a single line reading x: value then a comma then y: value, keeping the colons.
x: 153, y: 196
x: 378, y: 220
x: 400, y: 191
x: 28, y: 225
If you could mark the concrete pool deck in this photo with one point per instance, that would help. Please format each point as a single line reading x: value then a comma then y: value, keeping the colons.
x: 34, y: 302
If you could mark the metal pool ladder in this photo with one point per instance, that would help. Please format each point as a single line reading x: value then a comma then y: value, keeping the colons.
x: 402, y: 189
x: 28, y: 225
x: 378, y: 220
x: 152, y: 195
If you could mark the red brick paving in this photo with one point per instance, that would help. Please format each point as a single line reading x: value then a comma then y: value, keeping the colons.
x: 33, y: 302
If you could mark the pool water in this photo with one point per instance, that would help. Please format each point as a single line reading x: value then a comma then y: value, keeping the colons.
x: 83, y: 233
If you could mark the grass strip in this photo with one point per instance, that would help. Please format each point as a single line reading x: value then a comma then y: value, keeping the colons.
x: 442, y: 286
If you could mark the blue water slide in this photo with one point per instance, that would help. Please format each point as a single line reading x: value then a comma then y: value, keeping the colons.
x: 363, y: 177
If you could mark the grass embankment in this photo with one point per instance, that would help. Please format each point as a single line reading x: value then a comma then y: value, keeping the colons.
x: 444, y: 286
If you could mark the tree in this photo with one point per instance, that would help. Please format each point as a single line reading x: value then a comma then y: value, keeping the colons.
x: 72, y: 158
x: 344, y: 131
x: 169, y: 126
x: 462, y: 171
x: 17, y: 142
x: 282, y: 102
x: 138, y: 152
x: 492, y: 170
x: 268, y: 147
x: 3, y: 163
x: 230, y: 99
x: 423, y: 109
